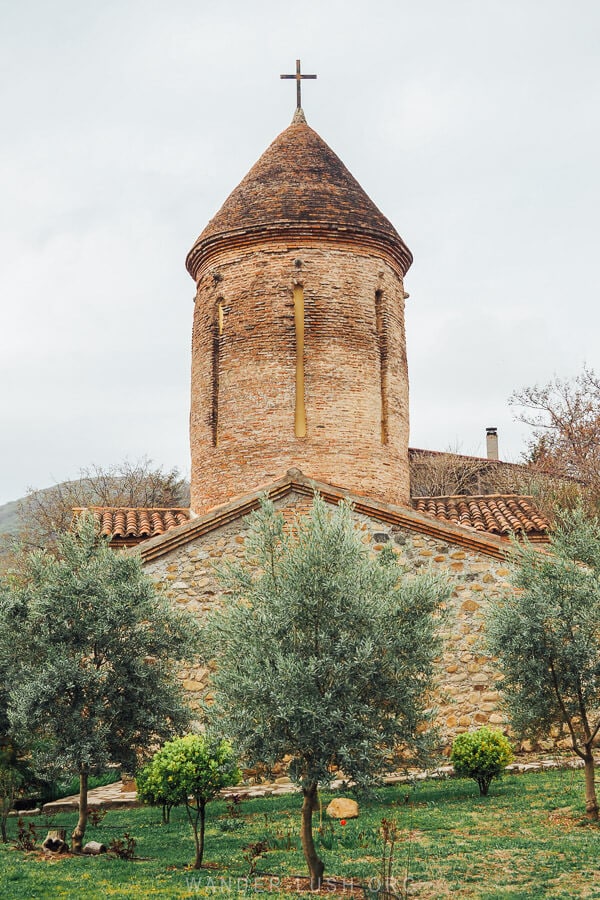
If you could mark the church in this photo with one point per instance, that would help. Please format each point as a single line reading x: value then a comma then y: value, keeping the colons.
x: 299, y: 384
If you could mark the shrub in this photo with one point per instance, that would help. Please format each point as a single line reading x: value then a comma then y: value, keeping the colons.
x: 96, y: 814
x: 189, y: 771
x: 123, y: 847
x: 26, y: 836
x: 481, y: 755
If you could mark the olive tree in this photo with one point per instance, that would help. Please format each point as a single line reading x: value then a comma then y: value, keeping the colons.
x: 92, y: 650
x: 323, y: 653
x: 546, y: 636
x: 13, y: 760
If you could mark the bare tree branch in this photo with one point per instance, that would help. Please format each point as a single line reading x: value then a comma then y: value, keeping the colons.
x: 45, y: 513
x: 565, y: 418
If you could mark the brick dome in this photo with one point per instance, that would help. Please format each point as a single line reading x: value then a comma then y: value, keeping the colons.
x: 300, y: 189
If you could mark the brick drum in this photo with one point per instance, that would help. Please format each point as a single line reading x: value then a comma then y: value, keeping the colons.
x: 246, y: 437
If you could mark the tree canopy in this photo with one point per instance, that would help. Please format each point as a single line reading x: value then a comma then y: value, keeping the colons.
x: 565, y: 417
x: 546, y: 636
x: 325, y: 654
x: 91, y: 649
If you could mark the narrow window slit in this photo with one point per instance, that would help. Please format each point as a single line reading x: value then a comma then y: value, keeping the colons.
x: 300, y: 411
x: 383, y: 363
x: 217, y: 331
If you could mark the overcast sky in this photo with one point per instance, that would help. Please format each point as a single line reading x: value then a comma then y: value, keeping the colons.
x: 474, y: 126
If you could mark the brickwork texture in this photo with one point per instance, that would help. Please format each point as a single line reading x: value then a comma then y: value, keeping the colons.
x: 242, y: 424
x: 299, y: 225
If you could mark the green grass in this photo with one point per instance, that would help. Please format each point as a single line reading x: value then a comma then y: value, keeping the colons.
x: 528, y: 839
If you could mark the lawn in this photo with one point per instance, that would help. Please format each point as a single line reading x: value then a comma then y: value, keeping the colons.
x: 528, y: 839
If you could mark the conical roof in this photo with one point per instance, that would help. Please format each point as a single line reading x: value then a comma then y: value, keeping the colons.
x: 299, y: 188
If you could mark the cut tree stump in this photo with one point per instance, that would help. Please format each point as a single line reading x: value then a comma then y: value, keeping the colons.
x: 55, y: 841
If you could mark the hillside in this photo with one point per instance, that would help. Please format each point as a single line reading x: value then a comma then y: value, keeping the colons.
x: 9, y: 520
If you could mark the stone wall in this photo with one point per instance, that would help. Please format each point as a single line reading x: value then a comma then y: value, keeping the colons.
x: 242, y: 428
x: 467, y: 697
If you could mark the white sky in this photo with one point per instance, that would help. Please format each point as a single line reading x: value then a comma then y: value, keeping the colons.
x: 474, y: 126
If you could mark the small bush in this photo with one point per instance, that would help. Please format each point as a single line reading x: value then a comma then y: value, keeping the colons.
x: 189, y: 771
x: 481, y: 755
x: 123, y: 847
x: 26, y: 836
x: 253, y: 853
x: 96, y: 814
x: 234, y: 805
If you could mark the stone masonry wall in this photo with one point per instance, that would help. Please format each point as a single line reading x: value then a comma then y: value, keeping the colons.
x: 244, y: 373
x: 467, y: 697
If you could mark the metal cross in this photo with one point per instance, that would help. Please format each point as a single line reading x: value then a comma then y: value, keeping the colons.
x: 298, y: 76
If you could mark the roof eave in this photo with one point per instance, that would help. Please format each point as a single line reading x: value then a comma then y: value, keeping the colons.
x: 294, y: 481
x: 205, y: 249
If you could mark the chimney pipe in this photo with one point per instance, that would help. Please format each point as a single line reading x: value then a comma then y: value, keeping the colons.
x: 491, y: 435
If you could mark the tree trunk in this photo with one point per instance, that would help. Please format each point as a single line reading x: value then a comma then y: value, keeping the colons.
x: 591, y: 801
x: 314, y: 863
x: 77, y: 836
x: 199, y: 838
x: 3, y: 830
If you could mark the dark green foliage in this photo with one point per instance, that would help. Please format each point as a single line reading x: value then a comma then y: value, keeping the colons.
x: 324, y: 653
x: 67, y: 787
x: 481, y: 755
x: 92, y: 652
x: 11, y: 781
x: 14, y: 770
x: 228, y: 824
x: 546, y: 636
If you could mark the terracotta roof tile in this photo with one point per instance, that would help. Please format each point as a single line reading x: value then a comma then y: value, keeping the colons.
x: 295, y: 483
x: 130, y: 526
x: 492, y: 514
x: 501, y: 514
x: 298, y: 188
